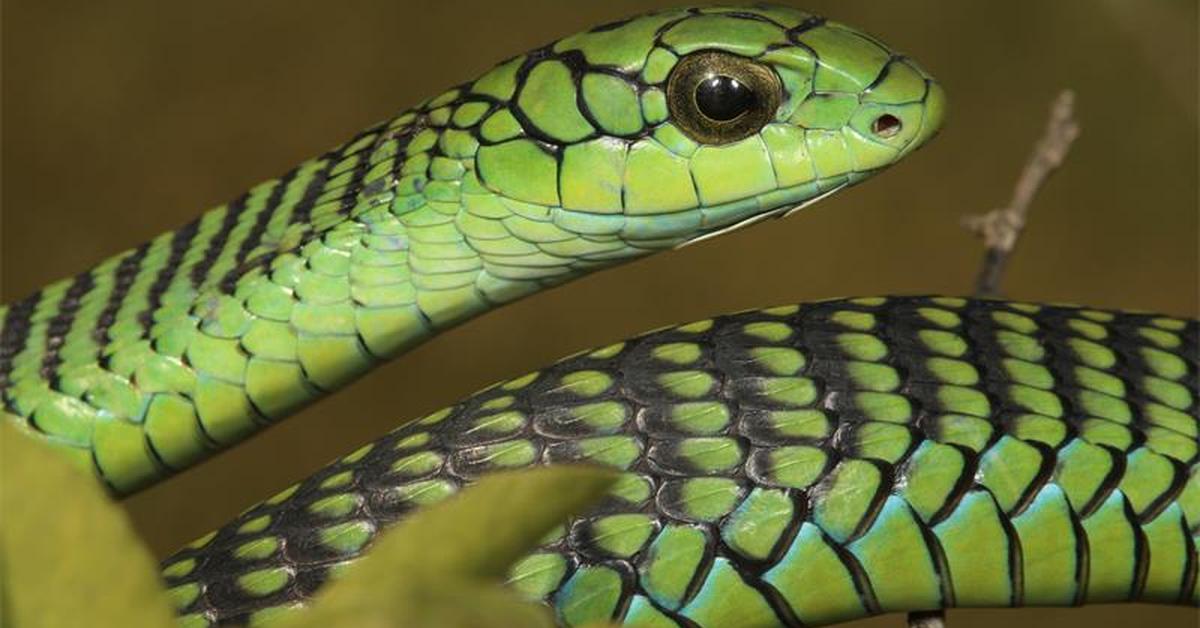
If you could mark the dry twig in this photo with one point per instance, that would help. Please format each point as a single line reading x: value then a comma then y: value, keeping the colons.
x: 927, y: 619
x: 1001, y: 228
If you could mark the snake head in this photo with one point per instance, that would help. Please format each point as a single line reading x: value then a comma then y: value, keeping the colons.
x: 660, y: 130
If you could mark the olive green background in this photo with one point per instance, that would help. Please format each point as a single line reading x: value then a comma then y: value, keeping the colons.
x: 122, y: 121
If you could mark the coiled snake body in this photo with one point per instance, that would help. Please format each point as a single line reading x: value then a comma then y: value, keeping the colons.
x: 795, y: 465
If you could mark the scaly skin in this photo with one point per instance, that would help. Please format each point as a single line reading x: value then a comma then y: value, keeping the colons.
x: 555, y: 163
x: 798, y: 465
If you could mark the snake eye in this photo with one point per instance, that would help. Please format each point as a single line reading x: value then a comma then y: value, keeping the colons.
x: 723, y: 98
x: 717, y: 97
x: 886, y: 126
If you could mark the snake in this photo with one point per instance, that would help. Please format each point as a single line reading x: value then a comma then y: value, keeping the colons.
x: 797, y: 465
x: 794, y: 466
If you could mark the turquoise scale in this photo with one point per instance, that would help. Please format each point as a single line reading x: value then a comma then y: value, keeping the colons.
x: 799, y: 465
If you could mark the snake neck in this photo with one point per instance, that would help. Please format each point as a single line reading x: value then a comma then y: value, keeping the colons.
x: 186, y: 344
x: 165, y: 353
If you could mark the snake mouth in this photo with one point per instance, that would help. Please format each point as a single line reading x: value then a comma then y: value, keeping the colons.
x: 781, y: 212
x: 681, y: 228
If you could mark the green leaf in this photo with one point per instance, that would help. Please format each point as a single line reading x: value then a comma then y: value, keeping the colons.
x: 439, y: 603
x: 69, y: 555
x: 443, y: 567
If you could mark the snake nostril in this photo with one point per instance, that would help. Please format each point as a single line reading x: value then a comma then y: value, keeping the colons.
x: 886, y: 125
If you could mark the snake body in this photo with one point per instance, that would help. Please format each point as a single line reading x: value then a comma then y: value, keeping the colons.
x: 573, y: 157
x: 794, y: 466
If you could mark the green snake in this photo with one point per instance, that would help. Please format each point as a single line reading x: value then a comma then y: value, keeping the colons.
x: 798, y: 465
x: 795, y: 465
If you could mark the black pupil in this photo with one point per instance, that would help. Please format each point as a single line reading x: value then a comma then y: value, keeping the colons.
x: 723, y: 98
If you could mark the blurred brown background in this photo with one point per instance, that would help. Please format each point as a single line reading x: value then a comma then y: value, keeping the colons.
x: 121, y: 121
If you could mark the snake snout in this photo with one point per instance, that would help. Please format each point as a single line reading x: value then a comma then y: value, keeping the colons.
x: 935, y: 113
